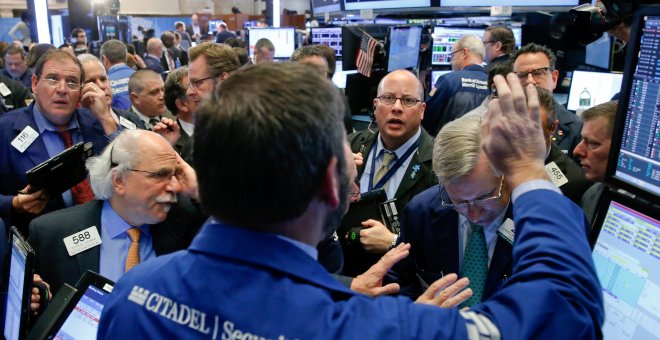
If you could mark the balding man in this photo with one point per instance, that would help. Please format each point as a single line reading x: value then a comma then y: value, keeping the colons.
x: 396, y: 157
x: 137, y: 181
x: 458, y: 92
x: 154, y: 53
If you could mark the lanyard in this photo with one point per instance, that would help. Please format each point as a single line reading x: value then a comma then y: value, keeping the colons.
x: 392, y: 169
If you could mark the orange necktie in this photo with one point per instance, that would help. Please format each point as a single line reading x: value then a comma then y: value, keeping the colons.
x: 133, y: 257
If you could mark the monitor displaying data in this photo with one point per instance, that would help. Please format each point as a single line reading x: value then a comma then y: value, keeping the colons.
x: 283, y: 38
x: 403, y: 47
x: 627, y: 259
x: 592, y: 88
x: 635, y: 155
x: 444, y: 38
x: 16, y: 308
x: 322, y: 6
x: 488, y: 3
x: 352, y: 5
x: 83, y: 322
x: 330, y: 36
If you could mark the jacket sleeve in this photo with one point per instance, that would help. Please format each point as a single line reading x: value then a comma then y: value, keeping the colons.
x: 554, y: 291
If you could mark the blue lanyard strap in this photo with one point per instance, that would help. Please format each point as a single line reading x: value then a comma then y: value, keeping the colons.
x: 393, y: 169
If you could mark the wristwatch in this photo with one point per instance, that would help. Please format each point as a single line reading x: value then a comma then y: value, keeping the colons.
x: 393, y: 244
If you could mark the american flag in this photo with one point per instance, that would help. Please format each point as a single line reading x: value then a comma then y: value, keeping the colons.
x: 365, y: 57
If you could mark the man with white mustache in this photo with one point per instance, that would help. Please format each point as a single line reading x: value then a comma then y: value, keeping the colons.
x: 137, y: 180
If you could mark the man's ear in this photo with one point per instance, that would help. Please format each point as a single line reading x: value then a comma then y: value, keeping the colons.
x: 181, y: 106
x: 329, y: 190
x: 118, y: 183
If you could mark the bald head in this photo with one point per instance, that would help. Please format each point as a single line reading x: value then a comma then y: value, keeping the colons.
x: 155, y: 46
x: 402, y: 76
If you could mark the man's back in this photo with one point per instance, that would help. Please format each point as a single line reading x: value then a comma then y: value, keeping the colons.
x: 119, y: 75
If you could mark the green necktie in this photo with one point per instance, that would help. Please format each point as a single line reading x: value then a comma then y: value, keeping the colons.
x: 388, y: 157
x: 475, y: 264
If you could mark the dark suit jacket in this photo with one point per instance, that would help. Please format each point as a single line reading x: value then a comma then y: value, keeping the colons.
x: 356, y: 260
x: 154, y: 64
x: 14, y: 164
x: 410, y: 185
x: 589, y: 202
x: 577, y: 183
x: 432, y: 232
x: 55, y: 265
x: 184, y: 145
x: 569, y: 131
x: 19, y: 96
x: 132, y: 117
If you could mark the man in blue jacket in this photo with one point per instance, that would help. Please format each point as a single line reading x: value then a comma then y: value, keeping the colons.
x: 50, y: 125
x: 457, y: 93
x: 252, y: 273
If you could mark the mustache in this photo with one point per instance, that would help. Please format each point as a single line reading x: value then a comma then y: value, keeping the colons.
x: 167, y: 198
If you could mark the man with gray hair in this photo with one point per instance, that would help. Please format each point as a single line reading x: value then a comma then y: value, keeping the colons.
x: 137, y: 181
x: 154, y: 53
x: 113, y: 55
x: 146, y: 89
x: 460, y: 91
x: 453, y: 227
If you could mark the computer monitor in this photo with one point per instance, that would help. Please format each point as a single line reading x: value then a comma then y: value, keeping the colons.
x: 488, y: 3
x: 403, y: 47
x: 444, y: 38
x: 352, y: 5
x: 599, y: 52
x: 330, y: 36
x: 351, y: 37
x: 435, y: 74
x: 339, y: 78
x: 283, y: 38
x: 322, y: 6
x: 517, y: 35
x: 626, y: 254
x: 592, y: 88
x: 213, y: 26
x: 20, y: 285
x: 634, y: 160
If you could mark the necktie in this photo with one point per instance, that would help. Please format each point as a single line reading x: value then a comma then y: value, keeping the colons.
x: 475, y: 264
x: 170, y: 60
x: 388, y: 157
x: 153, y: 122
x: 133, y: 257
x: 81, y: 192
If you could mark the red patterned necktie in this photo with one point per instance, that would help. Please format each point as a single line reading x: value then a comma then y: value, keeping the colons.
x: 82, y: 192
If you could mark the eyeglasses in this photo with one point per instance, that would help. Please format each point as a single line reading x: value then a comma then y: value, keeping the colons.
x: 195, y: 84
x: 538, y: 73
x: 53, y: 81
x: 489, y: 42
x: 162, y: 175
x: 405, y: 101
x: 481, y: 203
x: 452, y: 53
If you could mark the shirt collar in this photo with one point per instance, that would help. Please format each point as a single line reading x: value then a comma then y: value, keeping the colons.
x: 403, y: 148
x: 189, y: 128
x: 44, y: 124
x: 309, y: 250
x: 117, y: 226
x: 144, y: 118
x: 493, y: 226
x: 116, y: 66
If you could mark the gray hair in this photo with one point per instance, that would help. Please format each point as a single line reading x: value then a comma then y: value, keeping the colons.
x: 473, y: 44
x: 457, y: 148
x: 116, y: 159
x: 114, y: 50
x: 88, y: 58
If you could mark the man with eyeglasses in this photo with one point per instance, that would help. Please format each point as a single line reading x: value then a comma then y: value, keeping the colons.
x: 454, y: 227
x: 499, y: 43
x: 184, y: 108
x: 397, y: 158
x: 458, y: 92
x: 51, y: 124
x: 535, y: 64
x: 209, y: 64
x: 137, y: 181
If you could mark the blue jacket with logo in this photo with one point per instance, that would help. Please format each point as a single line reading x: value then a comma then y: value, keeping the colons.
x: 457, y: 93
x: 236, y: 283
x: 119, y: 75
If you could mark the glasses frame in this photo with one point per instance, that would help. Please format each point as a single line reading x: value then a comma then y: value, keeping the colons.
x: 193, y: 85
x: 417, y: 101
x: 525, y: 74
x: 51, y: 82
x: 464, y: 206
